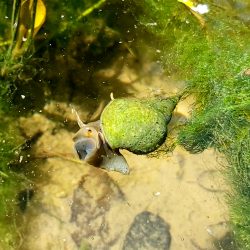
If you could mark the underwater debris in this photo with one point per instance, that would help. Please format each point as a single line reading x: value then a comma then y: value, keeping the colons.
x: 31, y: 18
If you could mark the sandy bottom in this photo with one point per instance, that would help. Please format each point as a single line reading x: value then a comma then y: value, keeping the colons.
x: 84, y: 205
x: 186, y: 190
x: 78, y: 206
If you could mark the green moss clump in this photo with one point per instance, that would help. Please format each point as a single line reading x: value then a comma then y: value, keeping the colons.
x: 11, y: 182
x: 212, y: 58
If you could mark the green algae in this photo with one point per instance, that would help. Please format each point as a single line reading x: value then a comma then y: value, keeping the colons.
x: 212, y: 59
x: 22, y: 91
x: 11, y: 182
x: 137, y: 125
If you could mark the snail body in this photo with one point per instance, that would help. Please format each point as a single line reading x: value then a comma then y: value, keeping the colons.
x: 138, y: 125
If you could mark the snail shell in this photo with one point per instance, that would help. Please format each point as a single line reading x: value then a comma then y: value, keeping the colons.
x: 139, y: 126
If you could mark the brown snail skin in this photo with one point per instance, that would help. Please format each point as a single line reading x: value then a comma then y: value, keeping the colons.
x: 88, y: 143
x: 91, y: 147
x: 138, y: 125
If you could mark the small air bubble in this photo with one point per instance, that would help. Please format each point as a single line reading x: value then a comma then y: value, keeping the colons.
x: 20, y: 159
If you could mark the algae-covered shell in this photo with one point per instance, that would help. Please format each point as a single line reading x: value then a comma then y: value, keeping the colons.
x: 137, y: 125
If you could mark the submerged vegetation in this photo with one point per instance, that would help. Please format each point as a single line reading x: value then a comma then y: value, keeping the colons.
x: 23, y: 56
x: 42, y: 47
x: 11, y: 182
x: 212, y: 53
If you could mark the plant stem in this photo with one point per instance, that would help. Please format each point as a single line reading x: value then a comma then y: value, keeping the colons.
x: 91, y: 9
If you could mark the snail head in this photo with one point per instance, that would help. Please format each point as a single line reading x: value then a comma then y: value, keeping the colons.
x: 90, y: 145
x: 87, y: 141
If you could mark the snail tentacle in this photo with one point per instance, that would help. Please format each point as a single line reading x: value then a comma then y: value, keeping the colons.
x: 79, y: 121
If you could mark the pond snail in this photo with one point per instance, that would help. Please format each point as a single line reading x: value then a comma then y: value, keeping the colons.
x: 138, y: 125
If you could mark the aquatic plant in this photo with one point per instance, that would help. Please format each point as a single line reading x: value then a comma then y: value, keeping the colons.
x: 27, y: 43
x: 211, y: 52
x: 22, y: 88
x: 11, y: 181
